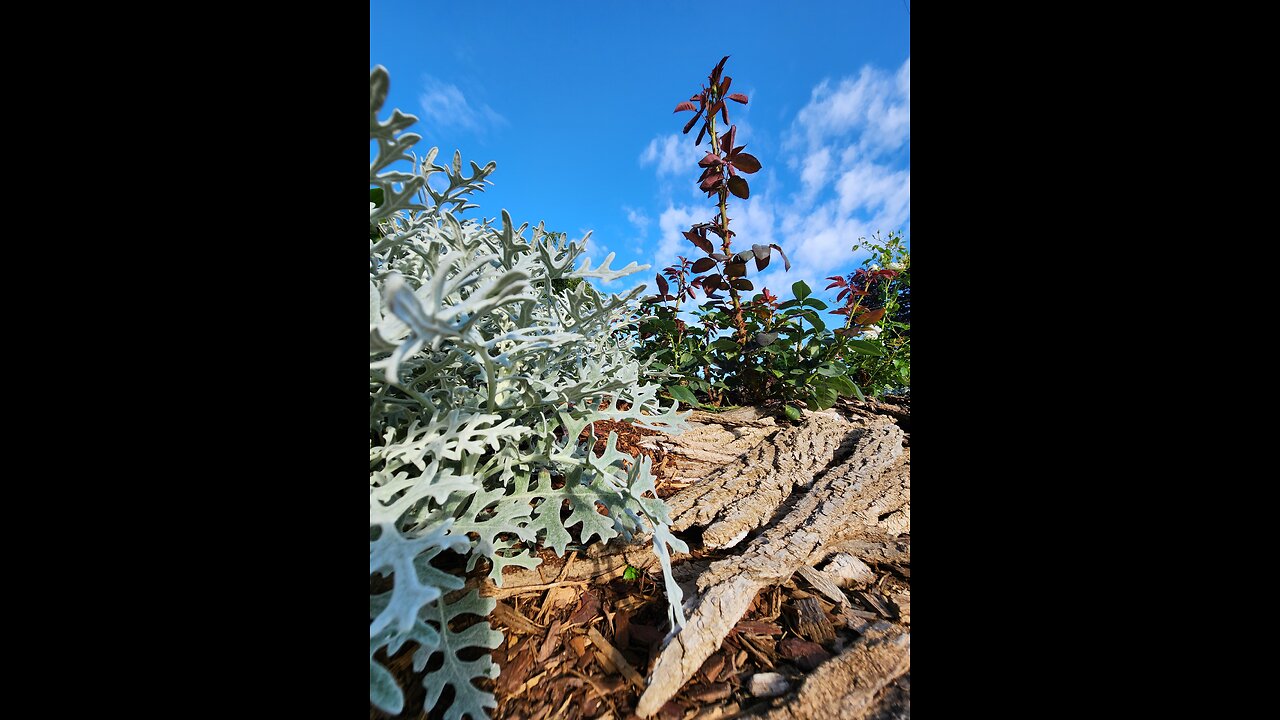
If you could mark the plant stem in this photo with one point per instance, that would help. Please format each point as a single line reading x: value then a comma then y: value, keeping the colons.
x: 724, y: 225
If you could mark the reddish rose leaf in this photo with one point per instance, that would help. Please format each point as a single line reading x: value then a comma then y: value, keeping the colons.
x: 700, y: 132
x: 711, y: 182
x: 685, y: 106
x: 739, y: 97
x: 689, y: 125
x: 704, y: 265
x: 743, y: 284
x: 868, y: 318
x: 837, y: 281
x: 739, y: 187
x: 724, y: 85
x: 663, y: 287
x: 727, y: 140
x: 719, y: 256
x: 715, y: 74
x: 709, y: 160
x: 746, y: 162
x: 762, y: 263
x: 734, y: 270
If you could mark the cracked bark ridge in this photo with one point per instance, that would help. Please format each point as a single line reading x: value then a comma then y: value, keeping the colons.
x: 746, y: 493
x: 854, y: 499
x: 712, y: 441
x: 847, y: 686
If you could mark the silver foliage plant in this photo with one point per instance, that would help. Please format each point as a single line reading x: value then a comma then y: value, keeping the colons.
x: 488, y: 356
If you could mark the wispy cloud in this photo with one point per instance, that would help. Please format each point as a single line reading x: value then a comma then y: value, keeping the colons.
x: 876, y: 103
x: 672, y: 154
x: 444, y: 106
x: 638, y: 219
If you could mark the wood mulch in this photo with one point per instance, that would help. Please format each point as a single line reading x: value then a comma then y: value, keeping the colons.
x: 584, y: 651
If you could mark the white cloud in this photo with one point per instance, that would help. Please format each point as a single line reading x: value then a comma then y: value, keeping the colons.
x: 638, y: 218
x: 672, y: 154
x: 875, y: 103
x: 671, y: 242
x: 444, y: 105
x: 815, y: 171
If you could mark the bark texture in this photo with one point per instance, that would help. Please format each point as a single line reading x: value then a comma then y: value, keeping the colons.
x: 866, y: 495
x: 849, y: 685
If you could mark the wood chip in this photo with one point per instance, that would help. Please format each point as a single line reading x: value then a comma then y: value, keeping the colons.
x: 711, y: 693
x: 558, y: 596
x: 515, y: 621
x: 757, y: 627
x: 526, y: 685
x: 587, y: 610
x: 618, y: 660
x: 823, y: 583
x: 848, y: 570
x: 606, y: 663
x: 812, y: 622
x: 549, y: 644
x: 756, y: 653
x: 712, y: 667
x: 875, y: 602
x: 806, y: 655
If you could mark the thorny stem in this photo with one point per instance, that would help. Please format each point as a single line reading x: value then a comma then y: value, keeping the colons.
x: 724, y: 225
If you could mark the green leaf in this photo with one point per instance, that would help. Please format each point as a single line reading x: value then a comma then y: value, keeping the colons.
x: 843, y: 385
x: 792, y: 412
x: 815, y: 303
x: 630, y: 573
x: 377, y: 197
x: 724, y: 343
x: 789, y: 303
x: 684, y: 395
x: 800, y: 290
x: 866, y: 347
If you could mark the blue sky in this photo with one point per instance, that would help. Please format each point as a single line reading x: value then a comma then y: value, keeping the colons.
x: 573, y: 100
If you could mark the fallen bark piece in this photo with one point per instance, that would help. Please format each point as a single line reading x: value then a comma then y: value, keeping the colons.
x: 848, y: 571
x: 704, y: 448
x: 895, y: 703
x: 767, y: 685
x: 847, y: 502
x: 846, y: 687
x: 744, y: 494
x: 812, y: 623
x: 823, y: 583
x: 806, y: 655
